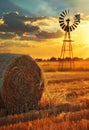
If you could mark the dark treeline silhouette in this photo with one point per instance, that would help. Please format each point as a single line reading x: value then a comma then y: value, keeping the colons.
x: 4, y: 56
x: 59, y: 59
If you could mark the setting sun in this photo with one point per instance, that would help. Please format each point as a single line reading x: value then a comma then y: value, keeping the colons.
x: 38, y: 33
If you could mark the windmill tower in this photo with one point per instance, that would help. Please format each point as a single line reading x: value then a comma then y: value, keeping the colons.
x: 68, y: 24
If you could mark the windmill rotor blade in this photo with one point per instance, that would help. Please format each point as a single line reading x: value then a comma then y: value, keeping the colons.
x: 75, y: 25
x: 66, y: 12
x: 71, y: 28
x: 63, y: 27
x: 60, y: 18
x: 62, y: 24
x: 66, y: 29
x: 62, y: 15
x: 61, y: 21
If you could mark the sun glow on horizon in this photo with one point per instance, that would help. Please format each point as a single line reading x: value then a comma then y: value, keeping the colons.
x: 47, y: 40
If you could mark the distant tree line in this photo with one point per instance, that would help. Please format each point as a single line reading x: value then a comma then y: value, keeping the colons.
x: 59, y: 59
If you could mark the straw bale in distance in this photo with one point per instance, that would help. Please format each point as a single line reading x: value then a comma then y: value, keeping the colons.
x: 23, y: 85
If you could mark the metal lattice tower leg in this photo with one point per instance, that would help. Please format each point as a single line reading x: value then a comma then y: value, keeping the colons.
x: 66, y: 58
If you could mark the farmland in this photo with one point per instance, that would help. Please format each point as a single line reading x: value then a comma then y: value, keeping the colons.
x: 64, y: 104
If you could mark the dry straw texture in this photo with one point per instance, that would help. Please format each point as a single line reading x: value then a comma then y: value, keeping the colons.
x: 1, y: 102
x: 23, y: 85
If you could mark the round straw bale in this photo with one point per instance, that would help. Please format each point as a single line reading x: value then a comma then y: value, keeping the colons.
x: 23, y: 85
x: 1, y: 102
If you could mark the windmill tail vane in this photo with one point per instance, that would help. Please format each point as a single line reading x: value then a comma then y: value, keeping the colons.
x: 77, y: 17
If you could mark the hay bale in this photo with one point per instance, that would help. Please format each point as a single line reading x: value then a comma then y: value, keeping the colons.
x: 1, y: 102
x: 23, y: 85
x: 5, y: 59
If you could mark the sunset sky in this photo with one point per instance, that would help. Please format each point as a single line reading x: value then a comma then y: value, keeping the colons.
x: 34, y: 29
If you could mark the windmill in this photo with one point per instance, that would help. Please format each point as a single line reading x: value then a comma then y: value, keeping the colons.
x: 68, y: 24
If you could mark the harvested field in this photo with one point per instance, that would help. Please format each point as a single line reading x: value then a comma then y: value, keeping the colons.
x: 64, y: 104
